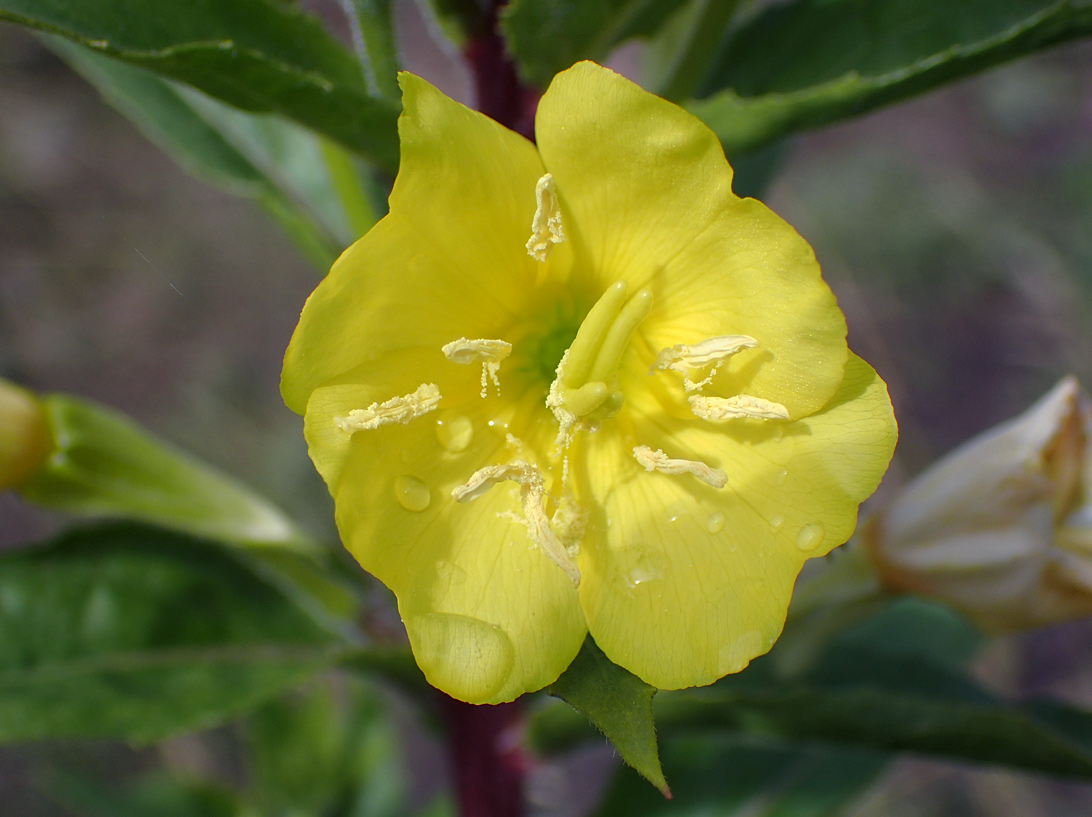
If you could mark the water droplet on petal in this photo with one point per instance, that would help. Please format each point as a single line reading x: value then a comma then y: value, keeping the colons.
x: 639, y: 567
x: 467, y: 658
x: 411, y: 493
x: 809, y: 537
x: 777, y: 522
x: 450, y: 573
x: 715, y: 522
x: 455, y: 432
x: 781, y: 476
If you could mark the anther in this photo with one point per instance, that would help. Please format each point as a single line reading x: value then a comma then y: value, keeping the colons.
x: 489, y: 353
x: 742, y: 405
x: 396, y: 410
x: 659, y: 461
x: 546, y: 229
x: 713, y: 352
x: 533, y: 501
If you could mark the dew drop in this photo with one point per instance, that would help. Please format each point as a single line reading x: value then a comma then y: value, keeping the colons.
x: 715, y: 522
x: 639, y: 568
x: 809, y: 537
x: 455, y: 432
x: 466, y: 657
x: 781, y: 476
x: 411, y: 493
x: 450, y: 573
x: 776, y: 523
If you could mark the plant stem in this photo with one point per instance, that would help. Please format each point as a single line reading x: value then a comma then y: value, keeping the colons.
x: 487, y: 757
x: 500, y: 94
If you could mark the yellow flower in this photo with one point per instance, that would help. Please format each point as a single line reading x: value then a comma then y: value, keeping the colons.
x: 1001, y: 528
x: 582, y: 388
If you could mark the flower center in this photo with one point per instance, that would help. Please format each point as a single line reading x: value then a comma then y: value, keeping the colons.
x: 587, y: 377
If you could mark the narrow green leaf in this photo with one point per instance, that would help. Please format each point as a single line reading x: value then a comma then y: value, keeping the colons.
x: 103, y: 464
x: 678, y: 56
x: 619, y: 704
x: 270, y: 162
x: 723, y: 774
x: 373, y: 36
x: 456, y: 20
x: 133, y: 632
x: 259, y: 55
x: 547, y: 36
x: 810, y: 62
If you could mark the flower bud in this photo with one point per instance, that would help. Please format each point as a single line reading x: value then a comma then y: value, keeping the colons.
x: 25, y: 438
x: 1001, y: 528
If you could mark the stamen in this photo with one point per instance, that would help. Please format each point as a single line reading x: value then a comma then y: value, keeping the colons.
x: 546, y: 229
x: 659, y: 461
x: 533, y: 500
x: 742, y: 405
x: 489, y: 352
x: 396, y: 410
x: 711, y: 352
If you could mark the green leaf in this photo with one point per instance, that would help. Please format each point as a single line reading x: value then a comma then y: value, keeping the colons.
x: 678, y: 56
x: 324, y: 747
x: 133, y: 632
x: 258, y: 55
x: 894, y: 684
x: 725, y: 775
x: 619, y: 704
x: 271, y: 161
x: 373, y: 36
x: 810, y: 62
x: 547, y: 36
x: 153, y: 796
x: 103, y: 464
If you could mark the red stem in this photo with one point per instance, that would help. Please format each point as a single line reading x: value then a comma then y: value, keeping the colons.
x: 501, y: 95
x: 487, y: 758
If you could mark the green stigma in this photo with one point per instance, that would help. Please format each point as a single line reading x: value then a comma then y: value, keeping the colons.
x: 586, y: 380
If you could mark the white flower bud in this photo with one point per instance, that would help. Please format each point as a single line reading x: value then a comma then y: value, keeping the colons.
x: 1001, y: 528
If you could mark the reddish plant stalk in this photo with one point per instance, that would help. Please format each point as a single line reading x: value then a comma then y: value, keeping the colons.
x: 487, y: 758
x: 500, y: 94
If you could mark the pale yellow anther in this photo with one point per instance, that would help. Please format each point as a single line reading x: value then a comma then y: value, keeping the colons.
x: 659, y: 461
x: 396, y: 410
x: 546, y: 229
x: 684, y: 358
x: 489, y: 353
x: 742, y: 405
x: 533, y: 502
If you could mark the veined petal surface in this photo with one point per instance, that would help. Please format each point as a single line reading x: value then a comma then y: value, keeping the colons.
x: 448, y: 259
x: 649, y: 195
x: 683, y: 582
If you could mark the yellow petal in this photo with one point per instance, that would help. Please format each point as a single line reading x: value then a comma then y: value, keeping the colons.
x: 489, y: 616
x: 683, y: 582
x: 449, y: 260
x: 648, y: 194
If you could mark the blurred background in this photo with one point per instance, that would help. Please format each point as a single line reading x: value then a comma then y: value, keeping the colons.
x: 956, y: 231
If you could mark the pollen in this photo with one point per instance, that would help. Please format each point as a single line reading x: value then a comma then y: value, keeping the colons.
x: 659, y: 461
x: 489, y: 353
x: 742, y: 405
x: 546, y: 229
x: 396, y: 410
x: 713, y: 352
x: 533, y: 502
